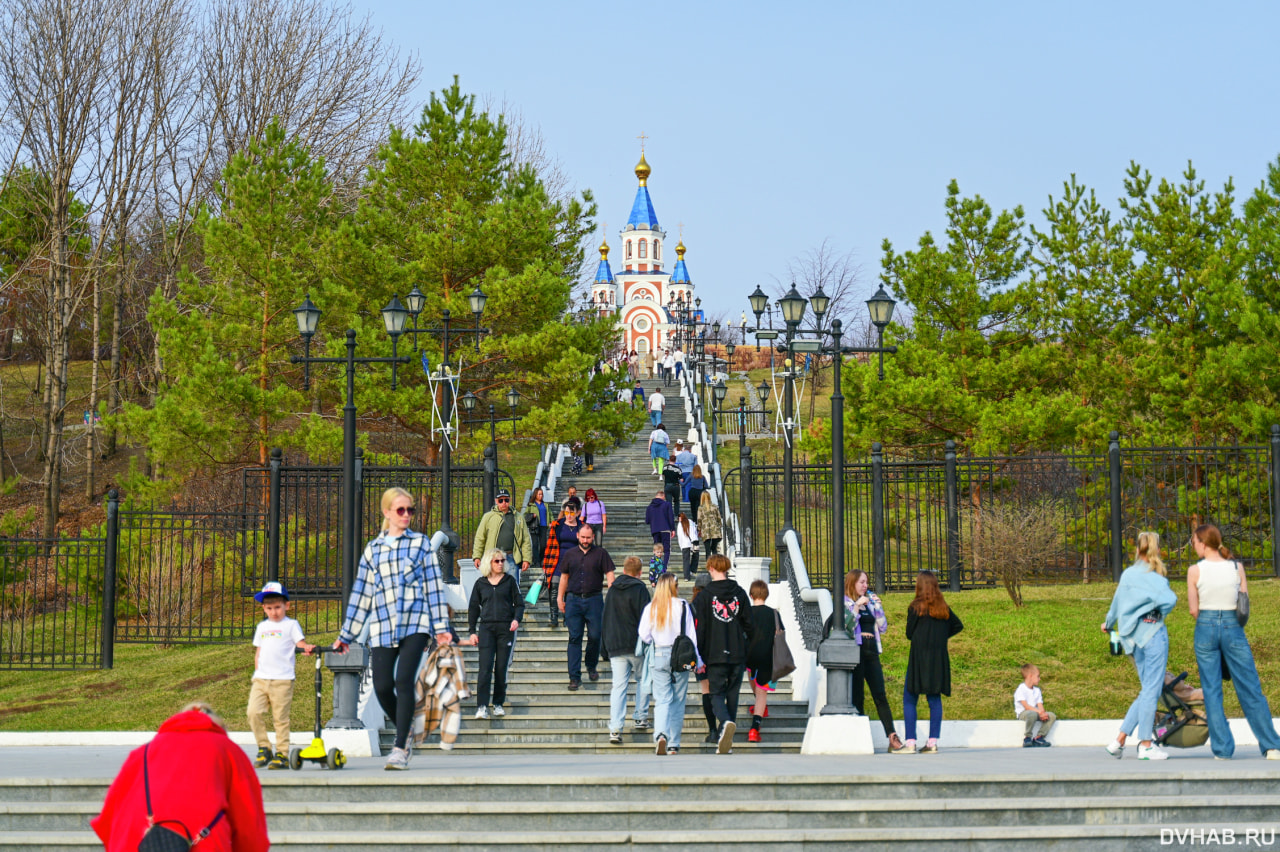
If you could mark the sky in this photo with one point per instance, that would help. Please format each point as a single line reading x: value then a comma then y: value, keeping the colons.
x: 773, y: 127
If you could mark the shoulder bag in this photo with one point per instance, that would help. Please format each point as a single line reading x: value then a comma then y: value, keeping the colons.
x: 159, y: 838
x: 783, y: 663
x: 684, y: 655
x: 1242, y: 603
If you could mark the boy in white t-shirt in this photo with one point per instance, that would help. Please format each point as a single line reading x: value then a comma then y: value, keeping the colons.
x: 274, y: 642
x: 1028, y: 705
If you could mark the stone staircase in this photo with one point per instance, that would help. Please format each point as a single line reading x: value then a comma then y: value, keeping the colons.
x: 543, y: 716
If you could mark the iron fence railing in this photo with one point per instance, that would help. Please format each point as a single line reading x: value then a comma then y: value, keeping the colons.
x: 51, y: 594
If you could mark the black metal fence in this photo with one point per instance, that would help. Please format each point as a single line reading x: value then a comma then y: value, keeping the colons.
x: 187, y: 575
x: 954, y: 516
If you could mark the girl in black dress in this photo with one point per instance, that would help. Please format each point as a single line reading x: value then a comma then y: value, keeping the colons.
x: 930, y: 623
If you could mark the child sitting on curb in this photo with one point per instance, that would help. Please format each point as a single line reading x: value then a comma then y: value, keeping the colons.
x: 1028, y: 705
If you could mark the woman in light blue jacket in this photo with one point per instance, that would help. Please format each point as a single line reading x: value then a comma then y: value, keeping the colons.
x: 1138, y: 610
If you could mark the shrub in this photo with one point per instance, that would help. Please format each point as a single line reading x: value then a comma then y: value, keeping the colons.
x: 1012, y: 540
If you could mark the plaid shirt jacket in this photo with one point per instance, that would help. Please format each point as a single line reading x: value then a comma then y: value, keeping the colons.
x: 397, y: 592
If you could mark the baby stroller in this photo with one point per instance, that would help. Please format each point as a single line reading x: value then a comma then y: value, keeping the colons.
x: 1180, y: 723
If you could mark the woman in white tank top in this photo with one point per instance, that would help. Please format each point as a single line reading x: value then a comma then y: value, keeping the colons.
x: 1212, y: 585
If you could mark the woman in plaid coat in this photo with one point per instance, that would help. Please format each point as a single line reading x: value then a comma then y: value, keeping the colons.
x: 399, y: 595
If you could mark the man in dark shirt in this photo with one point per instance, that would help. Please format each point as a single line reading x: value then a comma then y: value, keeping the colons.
x: 586, y: 572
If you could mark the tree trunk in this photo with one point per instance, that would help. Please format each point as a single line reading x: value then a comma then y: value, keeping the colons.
x: 114, y: 387
x: 91, y: 462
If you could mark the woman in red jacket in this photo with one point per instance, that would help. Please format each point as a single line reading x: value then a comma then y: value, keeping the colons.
x: 198, y: 778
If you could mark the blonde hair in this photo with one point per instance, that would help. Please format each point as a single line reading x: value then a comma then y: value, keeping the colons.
x: 486, y: 562
x: 1148, y: 550
x: 389, y: 497
x: 706, y: 499
x: 663, y: 595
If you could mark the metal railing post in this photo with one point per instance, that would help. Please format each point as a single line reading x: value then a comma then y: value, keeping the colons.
x: 490, y: 478
x: 877, y: 516
x: 1117, y: 509
x: 745, y: 517
x: 953, y: 519
x: 112, y: 550
x: 273, y: 517
x: 1275, y: 499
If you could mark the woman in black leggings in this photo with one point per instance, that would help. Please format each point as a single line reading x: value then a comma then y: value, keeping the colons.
x: 399, y: 595
x: 865, y: 622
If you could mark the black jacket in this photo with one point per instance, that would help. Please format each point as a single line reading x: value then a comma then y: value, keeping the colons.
x: 929, y: 664
x: 623, y: 606
x: 660, y: 516
x: 723, y: 615
x: 495, y: 606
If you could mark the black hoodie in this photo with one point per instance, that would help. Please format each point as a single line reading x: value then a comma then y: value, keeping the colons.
x: 623, y: 607
x: 723, y: 615
x: 495, y: 606
x: 660, y: 516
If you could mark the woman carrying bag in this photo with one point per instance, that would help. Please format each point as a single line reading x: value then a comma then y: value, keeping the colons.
x: 1214, y: 587
x: 666, y: 620
x: 1139, y: 607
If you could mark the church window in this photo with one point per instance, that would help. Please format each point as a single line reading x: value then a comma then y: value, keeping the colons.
x: 628, y: 249
x: 644, y: 245
x: 657, y: 250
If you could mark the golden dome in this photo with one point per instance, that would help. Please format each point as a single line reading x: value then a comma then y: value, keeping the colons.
x: 604, y: 249
x: 642, y: 170
x: 680, y: 250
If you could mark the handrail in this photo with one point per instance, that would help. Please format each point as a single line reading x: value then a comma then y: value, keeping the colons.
x: 813, y: 606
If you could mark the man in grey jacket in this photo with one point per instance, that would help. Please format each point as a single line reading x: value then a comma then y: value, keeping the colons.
x: 503, y: 529
x: 623, y: 606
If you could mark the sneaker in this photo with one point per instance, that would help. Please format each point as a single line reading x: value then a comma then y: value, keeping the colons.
x: 753, y: 735
x: 1041, y: 742
x: 642, y: 725
x: 593, y: 674
x: 1272, y: 754
x: 673, y: 750
x: 1151, y: 752
x: 280, y: 761
x: 710, y: 737
x: 894, y: 743
x: 483, y: 712
x: 498, y: 712
x: 909, y: 747
x: 661, y: 746
x: 615, y: 738
x: 929, y: 748
x: 1115, y: 749
x: 1028, y: 742
x: 397, y: 760
x: 574, y: 685
x: 724, y: 744
x: 263, y: 758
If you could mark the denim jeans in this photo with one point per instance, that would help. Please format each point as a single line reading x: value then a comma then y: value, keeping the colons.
x: 624, y: 666
x: 909, y: 701
x: 1151, y: 662
x: 655, y: 415
x: 670, y: 688
x: 580, y: 612
x: 1220, y: 637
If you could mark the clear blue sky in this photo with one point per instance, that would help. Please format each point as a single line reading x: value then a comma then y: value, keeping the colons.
x: 773, y: 126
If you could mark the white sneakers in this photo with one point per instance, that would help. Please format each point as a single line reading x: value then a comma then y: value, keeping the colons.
x: 483, y: 712
x: 1116, y: 750
x: 1273, y: 754
x: 1151, y: 752
x: 498, y: 712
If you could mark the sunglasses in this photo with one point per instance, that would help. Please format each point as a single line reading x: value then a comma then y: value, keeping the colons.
x: 503, y: 500
x: 499, y: 562
x: 404, y: 510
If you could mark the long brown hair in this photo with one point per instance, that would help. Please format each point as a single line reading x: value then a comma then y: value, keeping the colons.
x: 684, y: 523
x: 929, y: 600
x: 1211, y: 537
x: 851, y: 581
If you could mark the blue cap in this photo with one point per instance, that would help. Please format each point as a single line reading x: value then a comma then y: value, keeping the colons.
x: 271, y: 589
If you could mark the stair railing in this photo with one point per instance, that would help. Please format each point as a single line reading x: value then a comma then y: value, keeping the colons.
x: 732, y: 539
x: 813, y: 606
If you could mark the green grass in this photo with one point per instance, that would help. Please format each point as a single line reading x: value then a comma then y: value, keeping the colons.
x: 1057, y: 630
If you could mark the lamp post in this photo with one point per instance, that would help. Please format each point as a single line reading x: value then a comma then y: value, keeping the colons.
x: 469, y: 402
x: 308, y: 318
x: 416, y: 302
x: 718, y: 392
x: 838, y: 653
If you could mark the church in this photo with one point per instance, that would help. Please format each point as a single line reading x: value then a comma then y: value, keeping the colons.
x: 643, y: 289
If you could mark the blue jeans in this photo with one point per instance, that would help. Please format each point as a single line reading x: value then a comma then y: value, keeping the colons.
x: 1151, y: 662
x: 623, y: 667
x: 670, y: 688
x: 580, y: 611
x: 909, y: 701
x: 1219, y: 638
x: 656, y: 416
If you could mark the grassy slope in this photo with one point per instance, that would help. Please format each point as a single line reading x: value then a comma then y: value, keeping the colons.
x: 1057, y: 630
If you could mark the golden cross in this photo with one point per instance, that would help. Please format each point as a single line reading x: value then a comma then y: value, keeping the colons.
x: 642, y: 137
x: 680, y: 225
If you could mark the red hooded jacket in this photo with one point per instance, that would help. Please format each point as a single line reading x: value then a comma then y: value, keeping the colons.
x: 196, y: 771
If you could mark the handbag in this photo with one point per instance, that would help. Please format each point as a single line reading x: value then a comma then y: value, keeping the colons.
x: 161, y: 839
x: 535, y: 592
x: 783, y: 663
x: 684, y: 655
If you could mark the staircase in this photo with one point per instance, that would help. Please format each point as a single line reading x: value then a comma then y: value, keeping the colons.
x: 543, y: 716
